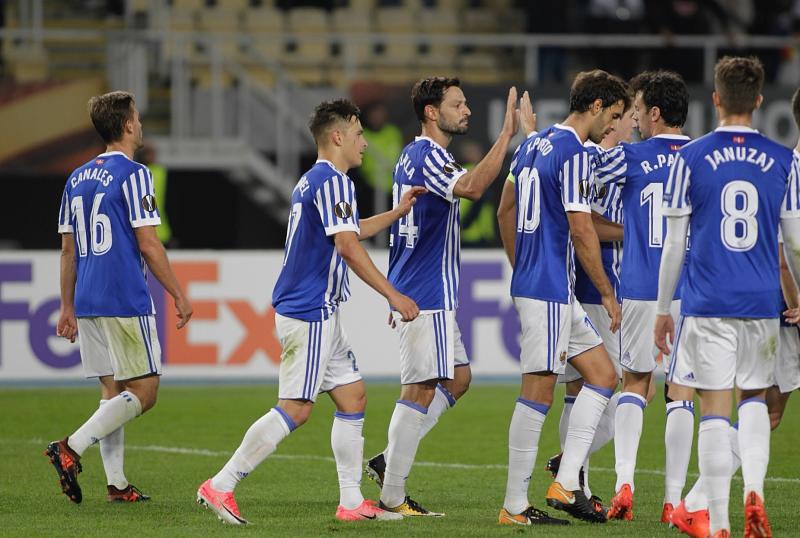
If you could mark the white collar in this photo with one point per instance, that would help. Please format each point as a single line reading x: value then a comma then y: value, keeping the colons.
x: 570, y: 129
x: 325, y: 161
x: 672, y: 136
x: 431, y: 140
x: 736, y: 129
x: 110, y: 153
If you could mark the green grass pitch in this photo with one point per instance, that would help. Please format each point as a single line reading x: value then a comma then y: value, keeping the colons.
x: 193, y: 429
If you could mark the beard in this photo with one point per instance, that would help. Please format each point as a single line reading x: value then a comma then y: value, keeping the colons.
x: 451, y: 128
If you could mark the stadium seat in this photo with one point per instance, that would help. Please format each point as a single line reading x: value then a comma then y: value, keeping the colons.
x: 305, y: 24
x: 350, y: 21
x: 397, y: 22
x: 265, y: 26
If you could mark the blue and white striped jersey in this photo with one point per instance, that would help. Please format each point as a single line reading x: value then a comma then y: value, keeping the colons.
x: 735, y: 184
x: 425, y: 245
x: 313, y: 280
x: 608, y: 204
x: 553, y: 175
x: 103, y: 201
x: 640, y: 170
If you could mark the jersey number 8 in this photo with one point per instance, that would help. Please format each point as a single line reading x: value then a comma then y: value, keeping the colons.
x: 739, y: 227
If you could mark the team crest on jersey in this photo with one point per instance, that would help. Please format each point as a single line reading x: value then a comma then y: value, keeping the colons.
x: 149, y: 202
x: 600, y: 191
x: 99, y: 161
x: 343, y: 210
x: 738, y: 140
x: 451, y: 168
x: 563, y: 357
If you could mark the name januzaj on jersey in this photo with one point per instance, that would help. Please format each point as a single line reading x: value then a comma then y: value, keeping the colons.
x: 730, y: 153
x: 98, y: 174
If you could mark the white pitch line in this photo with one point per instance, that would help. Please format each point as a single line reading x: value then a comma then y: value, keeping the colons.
x: 435, y: 464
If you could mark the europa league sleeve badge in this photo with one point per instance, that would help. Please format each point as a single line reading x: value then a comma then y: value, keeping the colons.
x: 343, y: 210
x: 149, y: 203
x: 451, y: 168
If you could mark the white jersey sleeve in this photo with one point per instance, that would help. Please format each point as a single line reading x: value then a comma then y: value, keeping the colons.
x: 441, y: 173
x: 611, y: 166
x: 676, y: 194
x: 140, y: 198
x: 64, y: 215
x: 791, y: 200
x: 576, y: 178
x: 336, y: 203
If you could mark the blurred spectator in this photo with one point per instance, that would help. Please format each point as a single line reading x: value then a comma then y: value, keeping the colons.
x: 385, y: 144
x: 147, y: 156
x: 550, y: 18
x: 616, y: 17
x: 477, y: 218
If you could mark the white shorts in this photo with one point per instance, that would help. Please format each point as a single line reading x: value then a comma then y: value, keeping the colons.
x: 597, y: 313
x: 316, y: 357
x: 430, y: 346
x: 123, y: 347
x: 552, y: 333
x: 787, y: 367
x: 718, y: 353
x: 639, y: 351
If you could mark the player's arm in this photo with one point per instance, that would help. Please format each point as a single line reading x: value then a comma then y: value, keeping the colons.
x: 67, y: 326
x: 606, y: 230
x: 156, y: 258
x: 474, y: 183
x: 788, y: 285
x: 377, y: 223
x: 351, y: 251
x: 507, y: 218
x: 790, y: 229
x: 669, y: 273
x: 587, y: 249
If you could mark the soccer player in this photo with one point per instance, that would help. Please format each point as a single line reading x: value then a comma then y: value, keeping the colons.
x: 607, y: 218
x: 734, y: 187
x: 640, y: 171
x: 424, y: 264
x: 107, y: 224
x: 322, y: 241
x: 554, y: 181
x: 691, y: 516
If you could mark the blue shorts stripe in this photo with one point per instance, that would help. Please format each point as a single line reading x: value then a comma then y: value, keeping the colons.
x: 675, y: 344
x: 317, y: 350
x: 146, y: 321
x: 445, y: 357
x: 146, y: 346
x: 436, y: 342
x: 549, y: 335
x: 309, y: 351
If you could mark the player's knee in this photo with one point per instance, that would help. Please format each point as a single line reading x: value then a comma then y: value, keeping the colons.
x: 148, y: 400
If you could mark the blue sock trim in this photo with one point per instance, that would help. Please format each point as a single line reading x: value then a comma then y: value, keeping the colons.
x: 348, y: 416
x: 754, y: 399
x: 447, y: 394
x: 736, y: 425
x: 414, y: 406
x: 683, y: 404
x: 286, y: 418
x: 714, y: 417
x: 635, y: 399
x: 536, y: 406
x: 608, y: 393
x: 569, y: 399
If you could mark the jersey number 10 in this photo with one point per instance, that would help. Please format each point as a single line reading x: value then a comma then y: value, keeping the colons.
x: 529, y: 209
x: 99, y: 226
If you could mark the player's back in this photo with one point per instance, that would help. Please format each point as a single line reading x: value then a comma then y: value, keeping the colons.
x: 103, y: 201
x: 733, y: 182
x: 314, y: 278
x: 646, y: 167
x: 425, y: 245
x: 552, y: 172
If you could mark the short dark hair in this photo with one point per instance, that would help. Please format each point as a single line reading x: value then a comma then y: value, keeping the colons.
x: 738, y: 82
x: 329, y: 112
x: 796, y: 107
x: 592, y: 85
x: 666, y: 90
x: 430, y: 91
x: 109, y: 112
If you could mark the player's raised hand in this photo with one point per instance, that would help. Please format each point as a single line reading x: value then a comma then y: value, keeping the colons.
x: 527, y: 117
x: 664, y: 327
x: 511, y: 120
x: 614, y: 310
x: 408, y: 199
x: 67, y: 326
x: 184, y: 311
x: 405, y: 306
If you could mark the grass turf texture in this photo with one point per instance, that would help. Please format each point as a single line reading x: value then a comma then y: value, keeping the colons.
x: 295, y: 493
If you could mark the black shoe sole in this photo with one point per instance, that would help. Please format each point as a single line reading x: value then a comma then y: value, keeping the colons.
x: 577, y: 514
x: 69, y: 483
